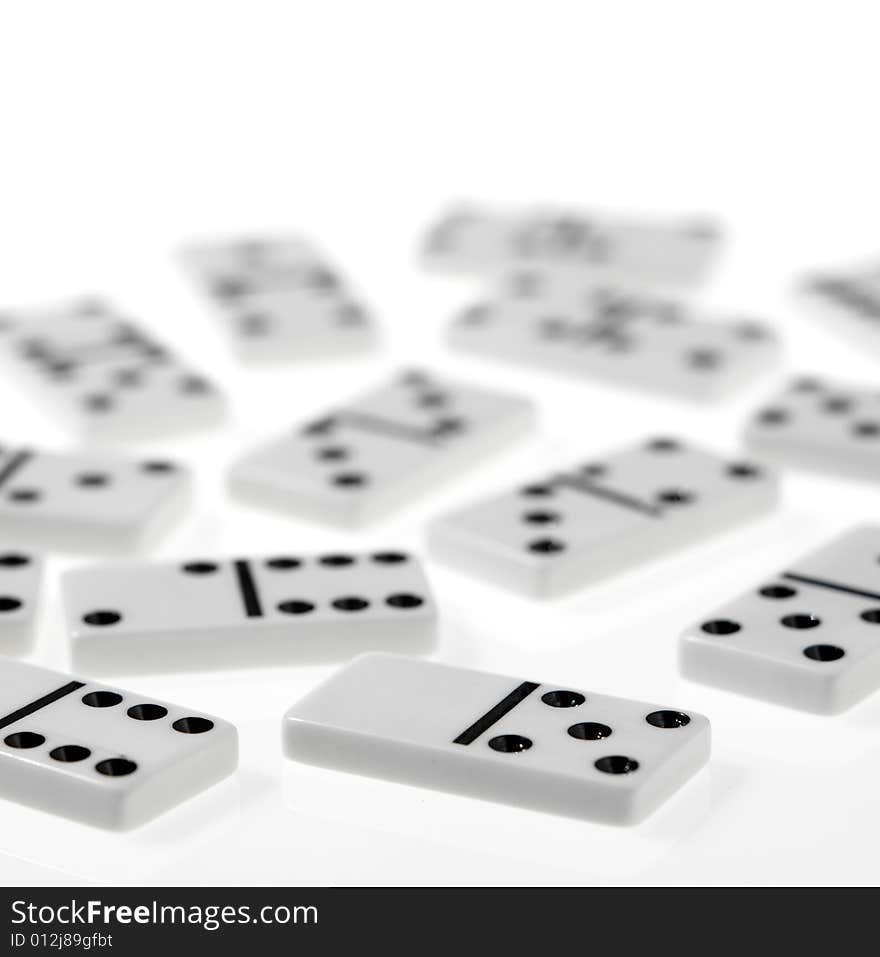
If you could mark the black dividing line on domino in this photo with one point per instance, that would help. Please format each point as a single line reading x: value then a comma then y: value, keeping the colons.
x: 15, y: 464
x: 833, y: 586
x: 577, y: 484
x: 394, y: 430
x: 41, y: 703
x: 494, y: 715
x: 250, y: 597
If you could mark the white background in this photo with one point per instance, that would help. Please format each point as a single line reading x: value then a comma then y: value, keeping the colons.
x: 128, y: 128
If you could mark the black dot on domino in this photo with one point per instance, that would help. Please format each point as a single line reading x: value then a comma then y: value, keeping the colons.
x: 336, y: 561
x: 675, y: 496
x: 201, y: 568
x: 13, y: 560
x: 116, y: 767
x: 9, y: 603
x: 801, y: 621
x: 774, y: 416
x: 350, y: 603
x: 24, y: 739
x: 92, y: 480
x: 68, y: 753
x: 349, y: 480
x: 147, y: 712
x: 510, y: 743
x: 541, y: 517
x: 866, y: 429
x: 664, y: 445
x: 157, y: 467
x: 295, y: 607
x: 98, y: 402
x: 390, y: 558
x: 25, y: 496
x: 283, y: 563
x: 102, y: 618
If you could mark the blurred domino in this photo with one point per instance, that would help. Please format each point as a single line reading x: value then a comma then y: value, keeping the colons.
x: 246, y: 612
x: 806, y: 638
x: 540, y: 746
x: 476, y: 239
x: 606, y: 333
x: 362, y: 460
x: 846, y: 301
x: 21, y: 578
x: 279, y: 299
x: 88, y: 503
x: 106, y: 757
x: 820, y: 425
x: 568, y: 529
x: 103, y: 375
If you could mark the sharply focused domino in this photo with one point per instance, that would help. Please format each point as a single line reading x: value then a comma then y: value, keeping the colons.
x: 99, y: 755
x: 364, y: 459
x: 88, y: 503
x: 807, y: 638
x: 280, y: 299
x: 629, y: 339
x: 568, y: 529
x: 104, y: 375
x: 21, y: 576
x: 820, y: 425
x: 473, y: 239
x: 247, y: 612
x: 541, y: 746
x: 846, y: 301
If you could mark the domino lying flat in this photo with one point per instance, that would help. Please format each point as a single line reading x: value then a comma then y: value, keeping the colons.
x: 807, y: 638
x: 820, y: 425
x: 364, y: 459
x: 88, y: 503
x: 564, y: 531
x: 99, y: 755
x: 846, y: 301
x: 474, y: 239
x: 104, y: 375
x: 545, y: 747
x: 279, y: 299
x: 633, y: 340
x: 21, y: 578
x: 246, y: 612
